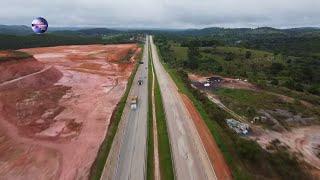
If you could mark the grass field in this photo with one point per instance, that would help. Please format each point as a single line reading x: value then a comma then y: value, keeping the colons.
x: 180, y: 52
x: 241, y: 100
x: 231, y: 61
x: 311, y: 98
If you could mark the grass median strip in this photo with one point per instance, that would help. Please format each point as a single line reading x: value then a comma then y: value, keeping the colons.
x: 150, y: 158
x: 98, y: 164
x: 165, y: 159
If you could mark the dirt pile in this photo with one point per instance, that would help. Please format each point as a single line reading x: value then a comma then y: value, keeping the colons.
x: 17, y: 68
x: 60, y: 109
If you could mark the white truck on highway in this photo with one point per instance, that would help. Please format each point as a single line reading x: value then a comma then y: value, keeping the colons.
x: 134, y: 102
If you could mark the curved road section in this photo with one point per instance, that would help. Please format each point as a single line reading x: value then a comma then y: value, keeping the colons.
x: 127, y: 157
x: 189, y: 156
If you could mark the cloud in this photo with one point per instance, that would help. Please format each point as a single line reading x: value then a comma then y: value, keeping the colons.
x: 164, y: 13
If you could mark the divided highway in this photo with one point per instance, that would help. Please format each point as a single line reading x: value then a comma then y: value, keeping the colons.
x: 127, y: 157
x: 190, y: 159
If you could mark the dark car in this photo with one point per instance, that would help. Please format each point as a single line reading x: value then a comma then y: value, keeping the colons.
x: 140, y: 62
x: 140, y: 82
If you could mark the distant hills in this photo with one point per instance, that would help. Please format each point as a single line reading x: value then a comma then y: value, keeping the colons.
x: 25, y: 30
x: 88, y: 32
x: 217, y: 31
x: 15, y: 30
x: 211, y: 31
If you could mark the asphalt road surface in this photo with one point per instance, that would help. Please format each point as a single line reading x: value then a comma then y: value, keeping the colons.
x: 127, y: 157
x: 190, y: 159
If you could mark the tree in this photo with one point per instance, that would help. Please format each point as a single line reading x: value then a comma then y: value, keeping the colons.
x: 248, y: 54
x: 229, y: 56
x: 274, y: 81
x: 251, y: 111
x: 248, y: 149
x: 314, y: 89
x: 276, y: 68
x: 193, y: 57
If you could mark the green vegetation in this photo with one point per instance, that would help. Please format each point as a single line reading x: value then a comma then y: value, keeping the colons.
x: 248, y: 102
x: 313, y: 99
x: 98, y: 165
x: 266, y: 69
x: 56, y: 39
x: 30, y: 41
x: 246, y: 159
x: 13, y: 55
x: 150, y: 160
x: 166, y: 167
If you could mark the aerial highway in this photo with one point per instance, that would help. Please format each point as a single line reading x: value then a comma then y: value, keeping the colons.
x: 127, y: 157
x: 190, y: 159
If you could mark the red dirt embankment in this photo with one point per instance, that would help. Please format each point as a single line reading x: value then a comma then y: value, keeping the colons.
x: 220, y: 167
x: 55, y: 109
x: 16, y: 68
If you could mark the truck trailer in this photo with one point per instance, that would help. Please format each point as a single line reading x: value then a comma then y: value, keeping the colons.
x: 134, y: 102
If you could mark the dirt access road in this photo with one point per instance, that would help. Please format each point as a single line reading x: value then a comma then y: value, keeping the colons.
x: 54, y: 114
x: 190, y: 160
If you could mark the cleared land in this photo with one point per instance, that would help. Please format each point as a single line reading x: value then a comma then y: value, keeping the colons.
x: 294, y: 122
x: 55, y: 108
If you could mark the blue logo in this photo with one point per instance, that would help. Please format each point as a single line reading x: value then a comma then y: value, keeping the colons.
x: 39, y: 25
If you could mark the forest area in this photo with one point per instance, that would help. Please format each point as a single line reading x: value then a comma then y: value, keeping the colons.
x: 265, y: 66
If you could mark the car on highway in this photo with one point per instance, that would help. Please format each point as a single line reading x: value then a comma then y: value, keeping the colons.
x: 140, y: 81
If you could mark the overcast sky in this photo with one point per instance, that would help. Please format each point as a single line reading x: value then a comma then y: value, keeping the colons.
x: 164, y: 13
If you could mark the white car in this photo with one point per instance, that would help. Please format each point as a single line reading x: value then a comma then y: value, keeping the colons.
x: 206, y: 84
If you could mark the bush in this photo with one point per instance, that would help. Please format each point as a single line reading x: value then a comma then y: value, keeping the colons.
x: 286, y: 165
x: 314, y: 90
x: 229, y: 56
x: 248, y: 54
x: 248, y: 149
x: 251, y: 111
x: 274, y: 81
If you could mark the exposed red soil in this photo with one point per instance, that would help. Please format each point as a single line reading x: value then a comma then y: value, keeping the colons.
x: 17, y: 68
x: 220, y: 167
x: 5, y: 53
x: 53, y: 117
